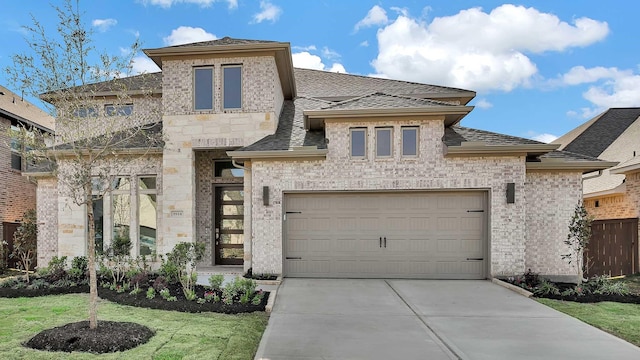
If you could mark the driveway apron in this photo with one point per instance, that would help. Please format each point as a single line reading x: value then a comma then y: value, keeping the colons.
x: 424, y: 319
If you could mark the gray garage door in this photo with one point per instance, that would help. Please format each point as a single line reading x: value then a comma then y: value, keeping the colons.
x: 429, y: 235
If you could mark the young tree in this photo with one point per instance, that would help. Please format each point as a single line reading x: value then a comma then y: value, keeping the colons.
x: 578, y: 238
x: 87, y: 91
x: 25, y: 241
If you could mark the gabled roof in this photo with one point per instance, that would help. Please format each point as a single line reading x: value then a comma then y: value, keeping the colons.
x: 380, y: 100
x: 601, y: 132
x: 338, y: 86
x: 148, y: 82
x: 225, y: 41
x: 14, y: 107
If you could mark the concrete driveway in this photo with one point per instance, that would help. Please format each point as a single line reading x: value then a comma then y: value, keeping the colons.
x: 425, y: 319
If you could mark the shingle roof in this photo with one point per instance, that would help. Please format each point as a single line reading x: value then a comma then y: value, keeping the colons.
x: 455, y: 135
x: 291, y: 132
x: 224, y: 41
x: 603, y: 132
x: 148, y: 81
x: 324, y: 84
x: 379, y: 100
x: 147, y: 136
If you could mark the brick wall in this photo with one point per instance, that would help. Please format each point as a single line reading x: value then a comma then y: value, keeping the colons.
x: 551, y: 198
x: 17, y: 192
x: 429, y: 171
x: 47, y: 198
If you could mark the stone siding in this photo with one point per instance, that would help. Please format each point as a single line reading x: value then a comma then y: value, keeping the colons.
x: 187, y: 131
x: 430, y: 171
x: 551, y: 198
x: 47, y: 220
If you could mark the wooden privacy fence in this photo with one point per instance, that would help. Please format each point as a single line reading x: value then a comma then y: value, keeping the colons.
x: 613, y: 248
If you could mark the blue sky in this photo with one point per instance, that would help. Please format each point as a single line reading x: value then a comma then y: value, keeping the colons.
x: 540, y: 68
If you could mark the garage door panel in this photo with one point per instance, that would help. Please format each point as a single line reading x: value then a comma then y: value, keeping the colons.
x: 428, y: 235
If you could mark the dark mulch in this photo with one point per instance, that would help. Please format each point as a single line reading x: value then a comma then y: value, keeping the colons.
x: 108, y: 337
x: 15, y: 293
x: 182, y: 304
x: 594, y: 298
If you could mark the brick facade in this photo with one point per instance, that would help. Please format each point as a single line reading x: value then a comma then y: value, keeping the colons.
x: 430, y: 171
x: 17, y: 192
x: 47, y: 197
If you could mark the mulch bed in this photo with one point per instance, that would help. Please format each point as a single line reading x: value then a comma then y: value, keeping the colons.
x: 108, y: 337
x: 15, y: 293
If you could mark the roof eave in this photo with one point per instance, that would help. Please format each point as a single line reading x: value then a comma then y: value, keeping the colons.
x: 626, y: 169
x: 481, y: 149
x: 26, y: 121
x: 295, y: 154
x: 128, y: 151
x: 314, y: 119
x: 559, y: 165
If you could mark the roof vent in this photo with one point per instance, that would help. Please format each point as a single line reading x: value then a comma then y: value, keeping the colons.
x: 1, y: 92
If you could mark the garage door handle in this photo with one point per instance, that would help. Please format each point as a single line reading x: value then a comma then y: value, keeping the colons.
x: 385, y: 242
x: 478, y: 259
x: 293, y: 258
x: 381, y: 241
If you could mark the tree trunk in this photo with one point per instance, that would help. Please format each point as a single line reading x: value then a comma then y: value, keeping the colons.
x: 93, y: 281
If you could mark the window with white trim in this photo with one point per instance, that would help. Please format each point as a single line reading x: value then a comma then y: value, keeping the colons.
x: 121, y: 211
x: 358, y: 141
x: 384, y: 142
x: 410, y: 141
x: 203, y: 88
x: 232, y: 87
x: 147, y: 215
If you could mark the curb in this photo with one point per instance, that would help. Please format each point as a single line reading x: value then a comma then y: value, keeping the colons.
x: 271, y: 301
x: 277, y: 281
x: 512, y: 287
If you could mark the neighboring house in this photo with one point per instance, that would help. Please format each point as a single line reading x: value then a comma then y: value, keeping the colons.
x: 614, y: 193
x: 17, y: 192
x: 308, y: 173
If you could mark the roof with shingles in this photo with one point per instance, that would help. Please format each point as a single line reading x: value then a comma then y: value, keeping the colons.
x: 324, y: 84
x: 379, y: 100
x: 455, y: 135
x: 598, y: 136
x: 223, y: 42
x: 143, y: 137
x: 14, y: 106
x: 291, y: 132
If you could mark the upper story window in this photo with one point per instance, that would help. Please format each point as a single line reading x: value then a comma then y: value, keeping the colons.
x: 16, y: 158
x: 118, y: 110
x: 203, y: 88
x: 225, y: 169
x: 410, y: 141
x: 232, y: 86
x: 383, y: 142
x: 85, y: 111
x: 358, y: 143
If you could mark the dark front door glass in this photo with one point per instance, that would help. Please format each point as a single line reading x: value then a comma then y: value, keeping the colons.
x: 229, y: 225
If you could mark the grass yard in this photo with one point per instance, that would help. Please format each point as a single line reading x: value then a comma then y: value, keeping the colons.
x: 178, y: 335
x: 621, y: 320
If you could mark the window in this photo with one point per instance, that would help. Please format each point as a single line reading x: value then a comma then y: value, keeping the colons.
x: 98, y: 222
x: 118, y: 110
x: 17, y: 145
x: 203, y: 88
x: 84, y: 112
x: 409, y: 141
x: 383, y: 142
x: 359, y: 143
x: 225, y: 169
x: 232, y: 86
x: 147, y: 214
x: 121, y: 212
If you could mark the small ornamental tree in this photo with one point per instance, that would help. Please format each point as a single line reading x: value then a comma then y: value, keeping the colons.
x: 578, y: 239
x: 25, y: 242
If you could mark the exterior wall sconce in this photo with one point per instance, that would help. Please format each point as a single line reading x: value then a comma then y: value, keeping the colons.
x: 265, y: 195
x: 511, y: 193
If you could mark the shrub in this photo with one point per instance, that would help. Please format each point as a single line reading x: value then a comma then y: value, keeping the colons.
x: 80, y: 263
x: 151, y: 293
x: 183, y: 259
x: 215, y: 281
x: 257, y: 299
x: 160, y: 283
x: 25, y: 242
x: 165, y: 293
x: 57, y: 267
x: 546, y: 288
x: 140, y: 279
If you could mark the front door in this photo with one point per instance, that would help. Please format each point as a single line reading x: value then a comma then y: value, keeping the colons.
x: 229, y: 225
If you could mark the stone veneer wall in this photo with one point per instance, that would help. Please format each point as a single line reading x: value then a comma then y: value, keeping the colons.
x: 430, y: 171
x: 204, y: 198
x: 72, y: 219
x: 551, y: 198
x: 47, y: 199
x: 188, y: 131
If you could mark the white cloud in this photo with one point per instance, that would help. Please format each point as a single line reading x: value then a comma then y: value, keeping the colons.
x: 304, y: 48
x: 186, y: 35
x: 545, y: 138
x: 142, y: 64
x: 269, y: 12
x: 307, y: 60
x: 375, y: 16
x: 104, y: 24
x: 610, y: 87
x: 484, y: 104
x: 202, y: 3
x: 364, y: 43
x: 330, y: 54
x: 478, y: 50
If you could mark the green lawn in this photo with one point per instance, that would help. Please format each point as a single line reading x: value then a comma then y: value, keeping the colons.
x: 178, y: 335
x: 621, y: 320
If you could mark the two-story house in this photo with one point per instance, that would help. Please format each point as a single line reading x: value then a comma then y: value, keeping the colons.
x: 17, y: 192
x: 314, y: 174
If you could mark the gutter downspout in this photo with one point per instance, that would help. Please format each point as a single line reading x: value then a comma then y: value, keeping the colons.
x: 248, y: 232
